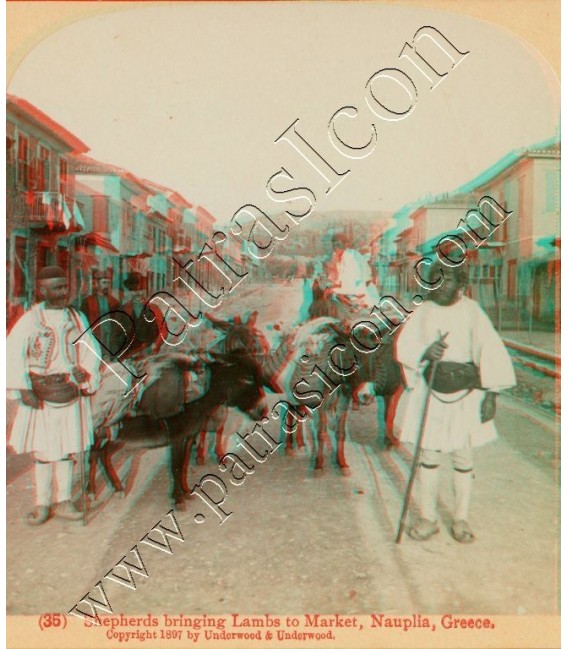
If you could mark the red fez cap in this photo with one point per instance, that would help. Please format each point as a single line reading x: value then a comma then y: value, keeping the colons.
x: 51, y: 272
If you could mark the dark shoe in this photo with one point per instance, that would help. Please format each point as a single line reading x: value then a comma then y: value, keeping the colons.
x: 68, y: 511
x: 38, y: 516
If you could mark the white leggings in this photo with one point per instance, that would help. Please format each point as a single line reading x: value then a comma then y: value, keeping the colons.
x: 44, y: 476
x: 462, y: 461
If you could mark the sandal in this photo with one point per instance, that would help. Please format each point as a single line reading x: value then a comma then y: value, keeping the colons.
x: 67, y: 510
x: 462, y: 532
x: 423, y: 530
x: 38, y: 516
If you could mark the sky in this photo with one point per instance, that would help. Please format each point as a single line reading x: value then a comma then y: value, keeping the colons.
x: 194, y: 96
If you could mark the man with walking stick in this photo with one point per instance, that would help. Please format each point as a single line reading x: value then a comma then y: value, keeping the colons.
x: 454, y: 364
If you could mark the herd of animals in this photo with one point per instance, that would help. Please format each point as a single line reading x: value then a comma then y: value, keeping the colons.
x: 193, y: 393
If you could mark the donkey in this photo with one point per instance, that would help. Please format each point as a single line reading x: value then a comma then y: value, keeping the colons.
x: 235, y: 380
x: 323, y: 405
x: 242, y: 336
x: 378, y: 373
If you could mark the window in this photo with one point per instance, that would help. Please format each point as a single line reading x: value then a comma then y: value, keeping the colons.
x: 20, y: 262
x: 11, y: 166
x: 129, y: 220
x: 521, y: 196
x: 100, y: 214
x: 502, y: 232
x: 43, y: 170
x: 63, y: 176
x: 23, y: 161
x: 42, y: 258
x: 10, y: 150
x: 512, y: 279
x: 505, y: 231
x: 133, y: 220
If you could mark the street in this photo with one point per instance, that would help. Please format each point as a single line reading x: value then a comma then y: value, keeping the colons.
x: 295, y: 543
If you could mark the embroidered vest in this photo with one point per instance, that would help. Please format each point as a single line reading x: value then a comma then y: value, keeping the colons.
x: 43, y: 341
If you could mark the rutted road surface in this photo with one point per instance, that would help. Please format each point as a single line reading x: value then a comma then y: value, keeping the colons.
x: 297, y: 544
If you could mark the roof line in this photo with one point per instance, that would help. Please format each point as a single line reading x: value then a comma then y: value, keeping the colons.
x: 504, y: 163
x: 35, y: 114
x: 402, y: 216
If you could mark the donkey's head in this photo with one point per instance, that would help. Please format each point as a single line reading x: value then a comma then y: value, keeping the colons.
x: 241, y: 335
x: 238, y: 380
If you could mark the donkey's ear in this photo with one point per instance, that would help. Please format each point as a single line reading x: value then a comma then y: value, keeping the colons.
x: 223, y: 325
x: 251, y: 322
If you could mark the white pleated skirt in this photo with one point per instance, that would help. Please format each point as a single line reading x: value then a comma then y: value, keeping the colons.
x: 452, y: 423
x: 54, y: 431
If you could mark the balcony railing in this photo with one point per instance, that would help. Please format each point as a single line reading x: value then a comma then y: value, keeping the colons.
x: 50, y: 209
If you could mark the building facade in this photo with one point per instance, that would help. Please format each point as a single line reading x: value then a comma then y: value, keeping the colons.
x: 66, y: 208
x: 43, y: 217
x: 514, y: 273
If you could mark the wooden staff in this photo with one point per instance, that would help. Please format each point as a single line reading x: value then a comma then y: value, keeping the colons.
x: 76, y: 319
x: 418, y: 451
x: 83, y: 484
x: 84, y: 499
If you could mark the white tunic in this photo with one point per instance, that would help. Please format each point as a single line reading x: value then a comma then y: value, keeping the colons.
x: 354, y: 277
x: 453, y: 421
x: 55, y: 430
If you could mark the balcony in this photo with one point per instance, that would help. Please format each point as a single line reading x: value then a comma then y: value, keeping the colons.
x: 44, y: 209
